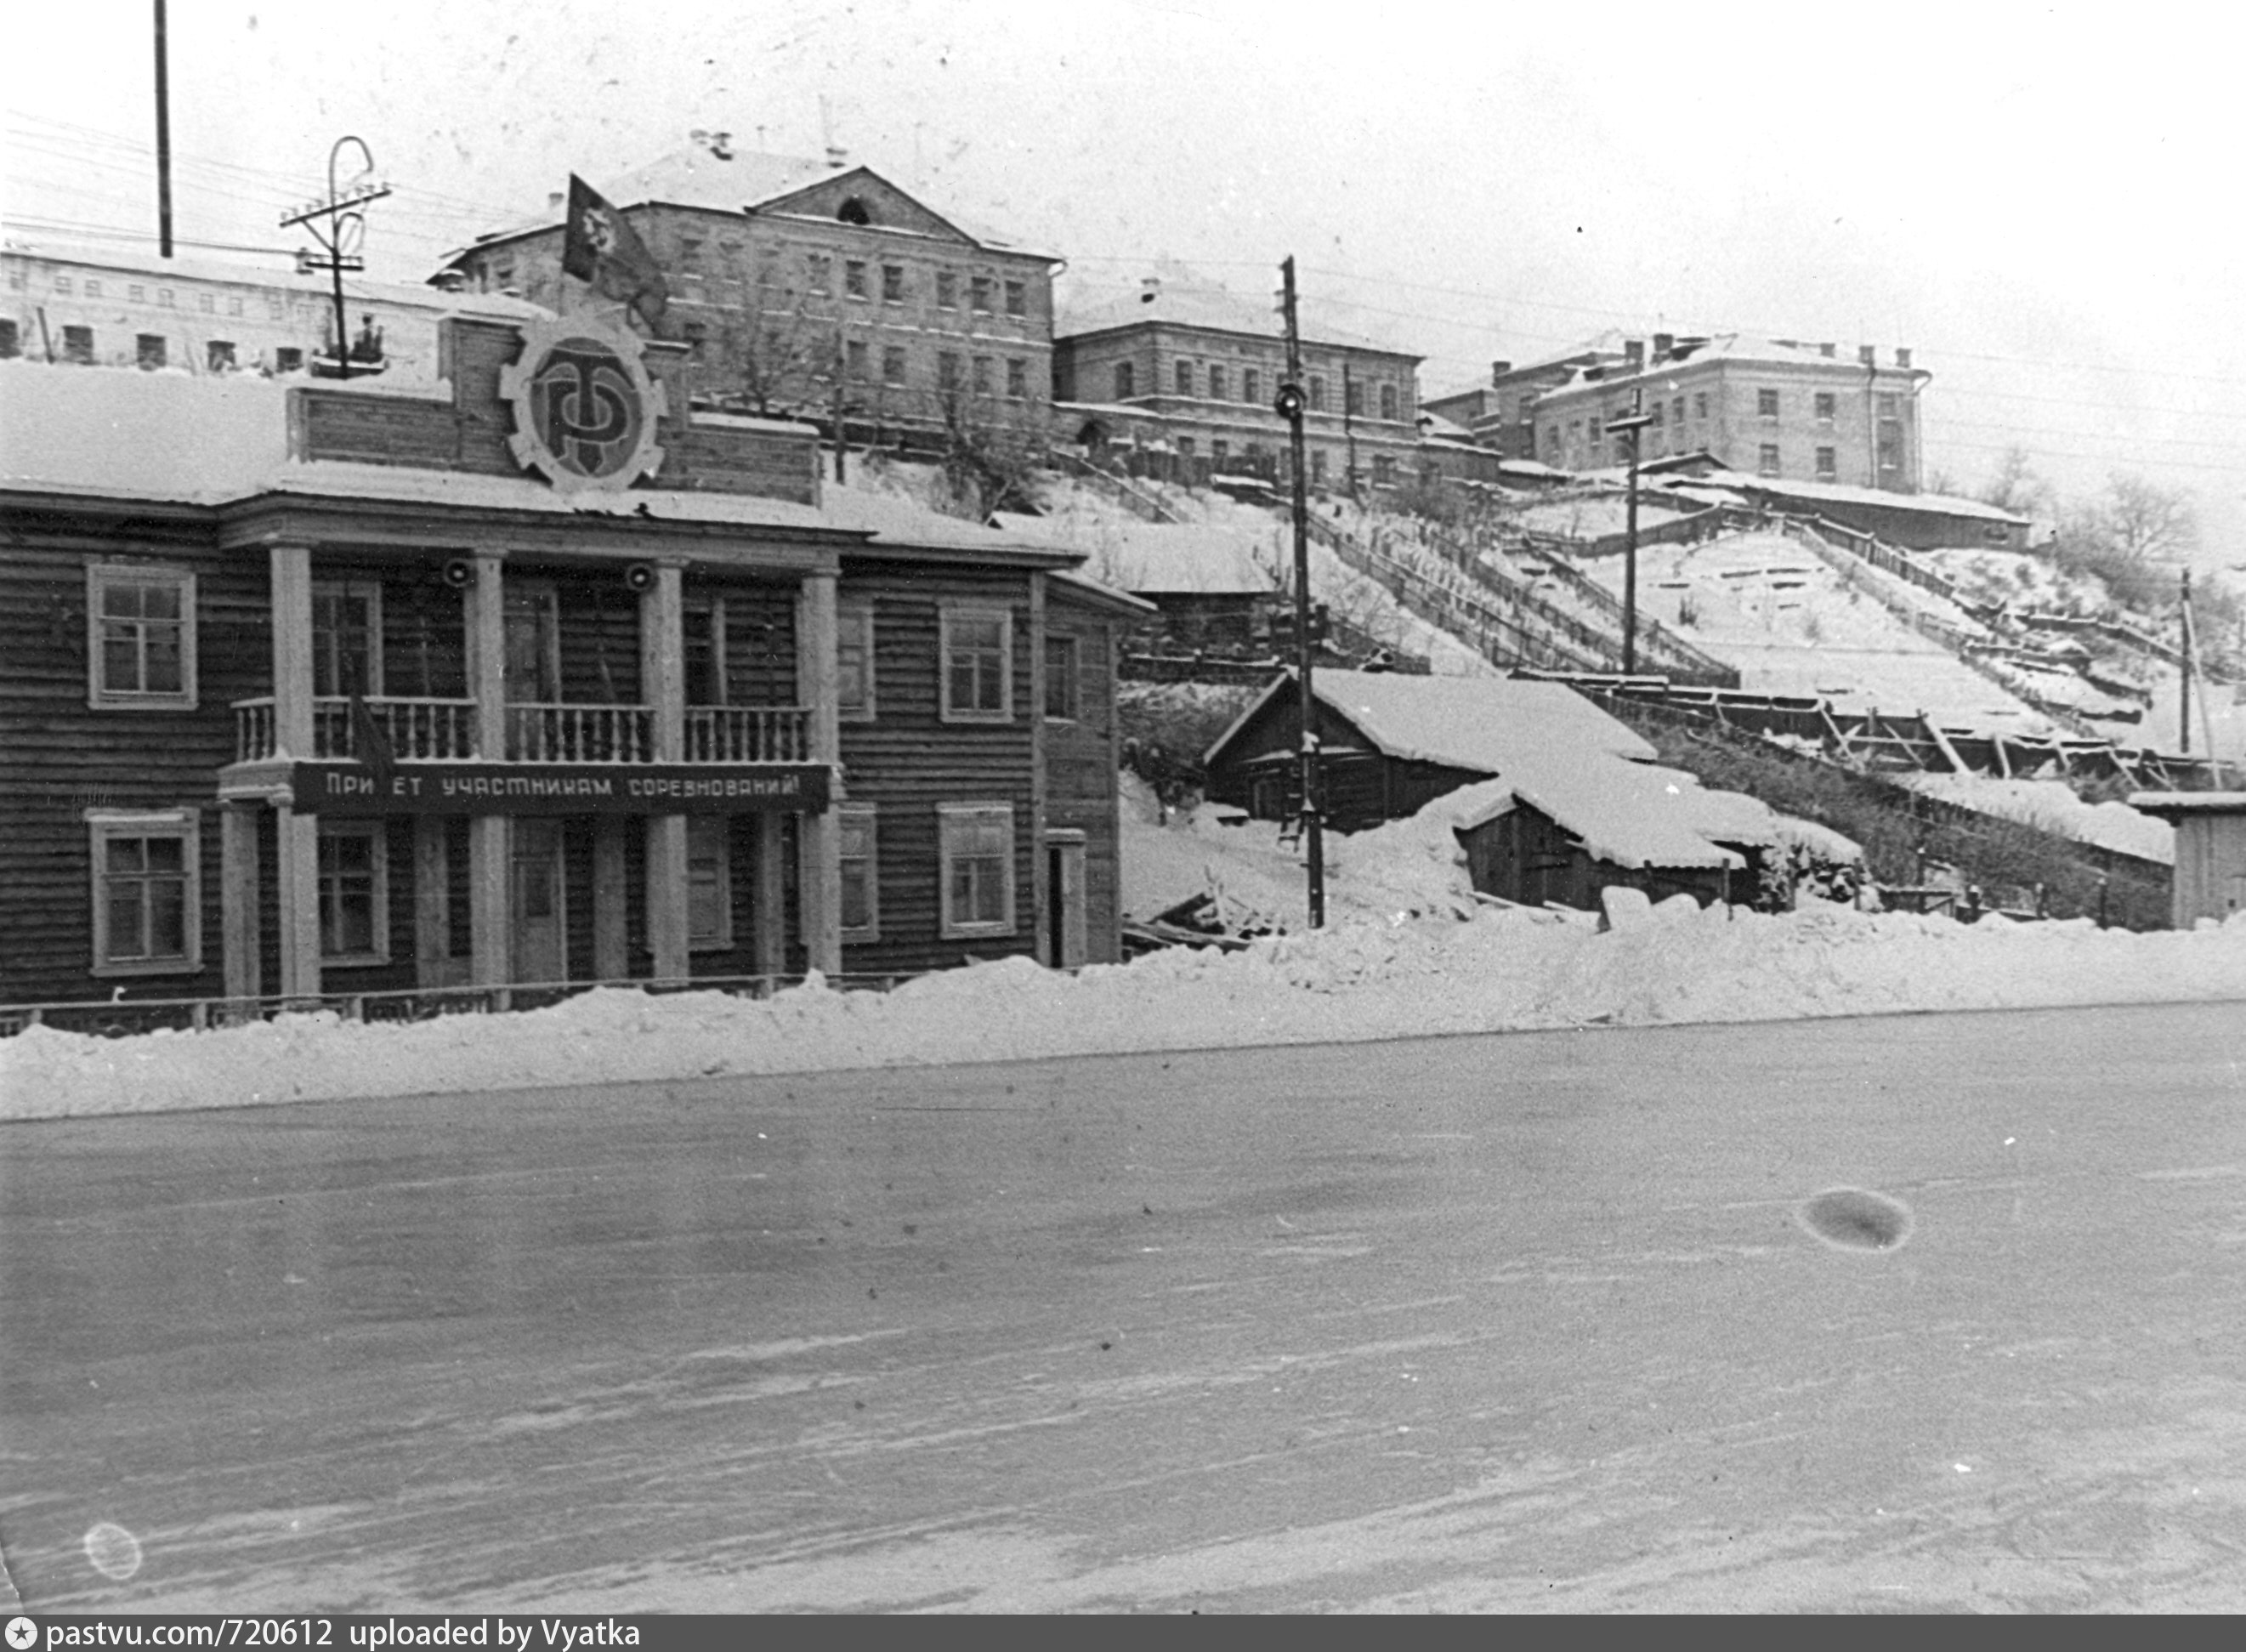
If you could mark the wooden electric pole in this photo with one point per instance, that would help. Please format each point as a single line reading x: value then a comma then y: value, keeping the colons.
x: 1292, y: 403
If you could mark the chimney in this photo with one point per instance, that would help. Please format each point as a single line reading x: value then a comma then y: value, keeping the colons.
x: 1828, y: 351
x: 721, y: 145
x: 836, y: 156
x: 1633, y: 354
x: 1664, y: 342
x: 1498, y: 370
x: 553, y: 199
x: 1902, y: 358
x: 1868, y: 355
x: 1150, y: 289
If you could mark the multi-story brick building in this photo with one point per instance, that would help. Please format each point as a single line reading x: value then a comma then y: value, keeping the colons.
x: 1189, y: 363
x: 806, y: 288
x: 111, y: 308
x: 1501, y: 414
x: 1763, y: 407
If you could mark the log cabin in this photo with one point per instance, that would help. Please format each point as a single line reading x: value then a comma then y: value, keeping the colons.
x: 525, y: 673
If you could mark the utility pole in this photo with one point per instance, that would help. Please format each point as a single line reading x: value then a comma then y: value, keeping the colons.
x: 1348, y: 425
x: 1291, y: 405
x: 163, y: 136
x: 841, y: 398
x: 1633, y: 424
x: 2183, y: 687
x: 341, y: 240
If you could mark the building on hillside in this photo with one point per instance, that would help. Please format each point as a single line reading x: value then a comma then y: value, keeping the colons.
x: 1916, y: 521
x: 1391, y: 743
x: 1770, y: 407
x: 811, y: 289
x: 535, y: 676
x: 1501, y: 414
x: 109, y: 308
x: 1186, y: 368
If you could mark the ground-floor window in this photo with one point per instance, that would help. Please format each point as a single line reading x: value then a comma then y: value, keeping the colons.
x: 148, y: 894
x: 354, y: 893
x: 861, y: 902
x: 708, y: 882
x: 977, y: 847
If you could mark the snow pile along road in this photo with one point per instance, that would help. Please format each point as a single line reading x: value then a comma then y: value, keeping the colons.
x: 1365, y: 978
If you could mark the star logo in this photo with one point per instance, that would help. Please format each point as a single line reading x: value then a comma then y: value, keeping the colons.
x: 23, y: 1634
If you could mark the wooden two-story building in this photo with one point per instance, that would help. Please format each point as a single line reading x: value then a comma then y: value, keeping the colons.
x: 528, y: 676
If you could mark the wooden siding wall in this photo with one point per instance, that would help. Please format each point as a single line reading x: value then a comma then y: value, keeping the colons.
x: 759, y: 640
x: 1526, y: 855
x: 1360, y: 790
x: 59, y: 759
x: 1080, y: 770
x: 909, y: 761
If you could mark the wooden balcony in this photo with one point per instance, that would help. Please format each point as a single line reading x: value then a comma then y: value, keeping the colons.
x: 422, y: 730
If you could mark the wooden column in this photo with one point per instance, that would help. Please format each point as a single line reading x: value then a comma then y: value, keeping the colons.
x: 611, y: 899
x: 291, y: 569
x: 1041, y: 892
x: 297, y: 869
x: 769, y: 946
x: 238, y: 900
x: 296, y: 892
x: 820, y: 877
x: 662, y: 670
x: 490, y: 844
x: 432, y: 905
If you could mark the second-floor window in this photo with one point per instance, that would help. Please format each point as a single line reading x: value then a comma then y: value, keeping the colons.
x: 1251, y: 385
x: 1125, y: 386
x: 947, y: 290
x: 819, y: 273
x: 142, y: 640
x: 1017, y: 377
x: 1317, y: 392
x: 346, y: 638
x: 978, y: 294
x: 947, y: 369
x: 1017, y: 298
x: 1185, y: 378
x: 1766, y: 462
x: 853, y: 278
x: 1827, y: 464
x: 1825, y: 406
x: 1388, y: 401
x: 1060, y: 679
x: 982, y: 375
x: 1215, y: 383
x: 1766, y: 404
x: 893, y: 363
x: 977, y: 651
x: 893, y: 283
x: 853, y: 662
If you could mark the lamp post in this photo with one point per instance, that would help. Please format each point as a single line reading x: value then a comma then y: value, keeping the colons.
x: 1631, y: 424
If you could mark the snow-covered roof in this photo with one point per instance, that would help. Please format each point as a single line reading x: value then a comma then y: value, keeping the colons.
x: 1183, y: 299
x: 2174, y: 806
x: 202, y: 441
x: 739, y: 181
x: 224, y: 272
x: 1849, y: 493
x: 1635, y: 815
x: 1496, y: 725
x: 1150, y: 559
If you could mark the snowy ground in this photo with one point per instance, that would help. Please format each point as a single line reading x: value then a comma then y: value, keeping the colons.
x: 1408, y: 953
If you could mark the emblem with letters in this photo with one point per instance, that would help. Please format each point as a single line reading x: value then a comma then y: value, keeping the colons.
x: 585, y: 407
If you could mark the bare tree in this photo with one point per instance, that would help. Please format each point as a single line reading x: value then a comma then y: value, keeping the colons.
x: 987, y: 465
x: 780, y: 356
x: 2015, y: 486
x: 2147, y: 523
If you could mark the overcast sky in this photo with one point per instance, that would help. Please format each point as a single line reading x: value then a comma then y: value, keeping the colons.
x: 2042, y: 201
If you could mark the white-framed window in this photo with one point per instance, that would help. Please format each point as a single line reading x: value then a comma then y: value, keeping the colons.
x: 976, y: 845
x: 354, y: 893
x: 346, y: 637
x: 709, y: 883
x: 858, y: 826
x: 147, y: 891
x: 854, y: 661
x: 140, y: 637
x: 978, y: 665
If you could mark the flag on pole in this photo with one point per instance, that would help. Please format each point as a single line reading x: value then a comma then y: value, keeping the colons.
x: 371, y: 744
x: 599, y: 246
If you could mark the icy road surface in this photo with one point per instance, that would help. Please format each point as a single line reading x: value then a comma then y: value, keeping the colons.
x: 1547, y: 1321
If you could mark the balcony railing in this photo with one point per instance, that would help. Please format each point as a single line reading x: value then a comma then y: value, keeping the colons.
x: 559, y: 733
x: 418, y: 730
x: 445, y: 730
x: 748, y: 734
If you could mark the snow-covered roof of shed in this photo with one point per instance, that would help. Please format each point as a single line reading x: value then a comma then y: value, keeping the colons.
x: 1496, y: 725
x: 1849, y: 493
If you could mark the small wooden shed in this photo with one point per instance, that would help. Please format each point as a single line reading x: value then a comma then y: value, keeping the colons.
x: 1561, y: 837
x: 2210, y: 851
x: 1390, y: 743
